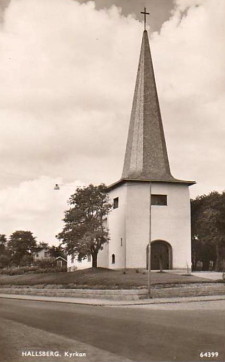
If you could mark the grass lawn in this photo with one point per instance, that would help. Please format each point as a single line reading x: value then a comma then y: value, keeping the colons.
x: 99, y: 278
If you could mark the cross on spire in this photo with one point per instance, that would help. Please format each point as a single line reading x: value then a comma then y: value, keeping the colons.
x: 145, y: 13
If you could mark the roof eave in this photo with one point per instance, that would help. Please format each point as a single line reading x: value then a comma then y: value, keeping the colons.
x: 172, y: 181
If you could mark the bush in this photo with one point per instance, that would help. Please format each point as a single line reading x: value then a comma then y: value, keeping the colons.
x: 31, y: 270
x: 4, y: 261
x: 222, y: 266
x: 26, y: 261
x: 52, y: 270
x: 18, y: 270
x: 46, y: 263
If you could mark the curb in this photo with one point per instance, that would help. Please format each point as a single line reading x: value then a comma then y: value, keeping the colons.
x: 123, y: 295
x: 108, y: 303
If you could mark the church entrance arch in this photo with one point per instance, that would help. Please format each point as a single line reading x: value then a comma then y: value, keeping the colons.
x: 161, y: 255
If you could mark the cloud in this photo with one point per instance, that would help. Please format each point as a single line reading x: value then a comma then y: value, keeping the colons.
x: 67, y: 74
x: 36, y: 206
x: 189, y: 57
x: 186, y: 5
x: 58, y: 96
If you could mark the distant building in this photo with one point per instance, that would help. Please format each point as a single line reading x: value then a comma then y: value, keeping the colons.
x: 61, y: 261
x: 73, y: 263
x: 39, y: 254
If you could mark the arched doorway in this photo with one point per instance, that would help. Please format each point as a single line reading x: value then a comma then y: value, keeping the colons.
x: 161, y: 255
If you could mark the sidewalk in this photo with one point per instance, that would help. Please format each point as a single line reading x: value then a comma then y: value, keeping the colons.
x: 108, y: 303
x: 208, y: 275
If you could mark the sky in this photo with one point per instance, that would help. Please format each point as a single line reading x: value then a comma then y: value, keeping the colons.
x: 67, y: 76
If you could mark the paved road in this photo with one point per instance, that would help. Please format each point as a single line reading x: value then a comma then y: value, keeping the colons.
x: 178, y: 332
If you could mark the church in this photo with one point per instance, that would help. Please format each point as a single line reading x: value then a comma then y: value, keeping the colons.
x: 150, y: 206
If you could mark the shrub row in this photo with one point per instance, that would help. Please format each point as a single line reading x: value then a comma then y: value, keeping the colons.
x: 31, y: 270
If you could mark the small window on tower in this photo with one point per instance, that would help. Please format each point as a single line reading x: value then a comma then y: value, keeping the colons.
x: 160, y: 200
x: 113, y: 259
x: 116, y: 203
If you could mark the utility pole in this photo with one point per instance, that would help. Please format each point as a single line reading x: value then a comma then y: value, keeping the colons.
x: 149, y: 241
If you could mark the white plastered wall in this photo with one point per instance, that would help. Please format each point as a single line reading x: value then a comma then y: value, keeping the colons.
x: 137, y: 223
x: 73, y: 263
x: 172, y: 223
x: 116, y: 226
x: 131, y: 222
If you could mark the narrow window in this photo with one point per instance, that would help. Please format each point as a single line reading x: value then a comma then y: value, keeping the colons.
x: 121, y: 241
x: 116, y: 203
x: 113, y: 259
x: 160, y: 200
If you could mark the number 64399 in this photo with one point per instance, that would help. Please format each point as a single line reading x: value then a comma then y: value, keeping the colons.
x: 209, y: 354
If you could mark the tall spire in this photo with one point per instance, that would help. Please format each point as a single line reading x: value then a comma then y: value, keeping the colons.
x: 146, y: 154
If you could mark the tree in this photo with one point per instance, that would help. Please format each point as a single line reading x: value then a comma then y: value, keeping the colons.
x: 84, y: 233
x: 4, y: 260
x: 5, y: 256
x: 26, y: 260
x: 208, y: 229
x: 55, y: 251
x: 42, y: 245
x: 3, y: 243
x: 21, y: 243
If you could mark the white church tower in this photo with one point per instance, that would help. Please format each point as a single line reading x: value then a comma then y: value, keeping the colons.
x: 148, y: 202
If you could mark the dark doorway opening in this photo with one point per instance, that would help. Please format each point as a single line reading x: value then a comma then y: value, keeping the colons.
x: 161, y: 255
